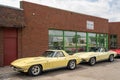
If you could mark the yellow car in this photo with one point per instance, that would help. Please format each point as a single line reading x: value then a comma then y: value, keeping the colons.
x: 100, y: 54
x: 51, y: 59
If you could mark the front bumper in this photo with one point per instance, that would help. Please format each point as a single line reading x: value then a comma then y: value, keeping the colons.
x: 19, y: 69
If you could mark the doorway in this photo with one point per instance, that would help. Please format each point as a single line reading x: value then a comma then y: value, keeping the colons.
x: 10, y: 45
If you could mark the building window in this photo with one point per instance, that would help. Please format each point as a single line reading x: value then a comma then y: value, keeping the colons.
x: 81, y: 41
x: 72, y: 41
x: 55, y: 39
x: 55, y: 32
x: 113, y: 41
x: 102, y: 40
x: 92, y: 40
x: 90, y: 25
x: 97, y: 40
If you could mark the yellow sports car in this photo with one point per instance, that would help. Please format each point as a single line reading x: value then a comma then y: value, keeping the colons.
x: 99, y: 55
x: 50, y: 59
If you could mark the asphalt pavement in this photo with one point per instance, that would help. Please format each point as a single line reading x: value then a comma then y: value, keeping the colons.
x: 101, y: 71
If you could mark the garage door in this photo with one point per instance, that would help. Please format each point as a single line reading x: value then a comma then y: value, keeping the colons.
x: 10, y: 45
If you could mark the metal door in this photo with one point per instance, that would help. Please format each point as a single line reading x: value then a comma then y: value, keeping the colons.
x: 10, y: 45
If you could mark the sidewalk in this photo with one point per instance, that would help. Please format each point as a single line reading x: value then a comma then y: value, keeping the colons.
x: 6, y: 69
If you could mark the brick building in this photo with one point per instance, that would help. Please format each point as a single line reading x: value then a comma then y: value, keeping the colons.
x: 36, y: 28
x: 114, y: 34
x: 11, y: 20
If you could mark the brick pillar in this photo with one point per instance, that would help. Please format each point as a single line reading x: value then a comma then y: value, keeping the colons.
x: 1, y: 47
x: 20, y: 43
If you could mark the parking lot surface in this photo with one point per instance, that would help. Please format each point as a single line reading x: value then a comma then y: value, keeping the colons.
x: 101, y: 71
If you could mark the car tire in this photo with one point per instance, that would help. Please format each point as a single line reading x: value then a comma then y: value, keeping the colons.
x: 35, y: 70
x: 71, y: 65
x: 111, y: 58
x: 92, y: 61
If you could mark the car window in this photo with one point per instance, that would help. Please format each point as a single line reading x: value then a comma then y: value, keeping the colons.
x: 48, y: 54
x: 102, y: 50
x: 94, y: 49
x: 97, y: 49
x: 59, y: 54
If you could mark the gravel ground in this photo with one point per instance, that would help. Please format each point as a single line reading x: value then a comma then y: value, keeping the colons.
x: 101, y: 71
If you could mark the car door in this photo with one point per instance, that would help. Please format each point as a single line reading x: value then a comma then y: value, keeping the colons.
x: 61, y: 59
x: 58, y: 60
x: 103, y: 54
x: 51, y: 62
x: 97, y: 55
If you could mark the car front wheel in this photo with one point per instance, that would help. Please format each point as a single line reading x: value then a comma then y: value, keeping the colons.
x: 35, y: 70
x: 72, y: 64
x: 111, y: 58
x: 92, y: 61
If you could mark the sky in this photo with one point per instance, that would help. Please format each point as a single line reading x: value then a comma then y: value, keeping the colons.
x: 108, y: 9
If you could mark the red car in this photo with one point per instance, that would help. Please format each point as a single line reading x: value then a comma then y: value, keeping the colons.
x: 117, y: 51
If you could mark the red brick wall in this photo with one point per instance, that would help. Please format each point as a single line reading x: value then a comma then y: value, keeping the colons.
x: 114, y: 28
x: 11, y: 17
x: 39, y: 19
x: 1, y: 47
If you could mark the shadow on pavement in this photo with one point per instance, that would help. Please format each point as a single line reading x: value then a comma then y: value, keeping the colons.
x: 25, y: 76
x: 100, y: 63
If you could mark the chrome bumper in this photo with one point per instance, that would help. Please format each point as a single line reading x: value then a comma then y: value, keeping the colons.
x: 17, y: 68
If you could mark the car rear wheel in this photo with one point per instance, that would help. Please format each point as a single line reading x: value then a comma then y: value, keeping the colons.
x: 35, y: 70
x: 111, y: 58
x: 72, y: 64
x: 92, y: 61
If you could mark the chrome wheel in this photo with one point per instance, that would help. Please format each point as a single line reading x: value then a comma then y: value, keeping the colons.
x: 72, y: 65
x: 111, y: 58
x: 35, y: 70
x: 92, y: 61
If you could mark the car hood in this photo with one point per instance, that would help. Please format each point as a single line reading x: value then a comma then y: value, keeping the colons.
x: 29, y: 60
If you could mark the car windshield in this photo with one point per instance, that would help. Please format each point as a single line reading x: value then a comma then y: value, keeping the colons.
x: 97, y: 49
x: 94, y: 49
x: 48, y: 54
